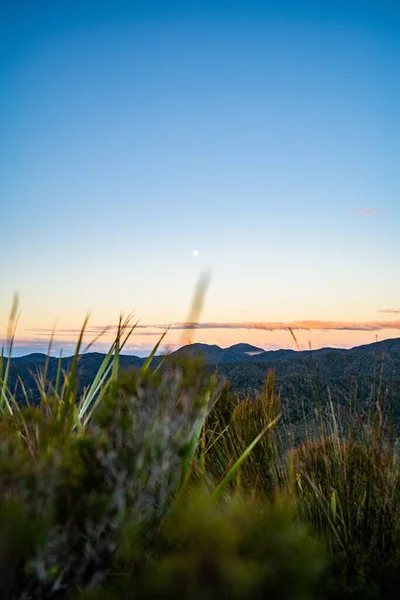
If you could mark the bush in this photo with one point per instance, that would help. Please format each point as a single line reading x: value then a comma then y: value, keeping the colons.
x: 76, y: 488
x: 350, y: 492
x: 237, y: 549
x: 232, y: 426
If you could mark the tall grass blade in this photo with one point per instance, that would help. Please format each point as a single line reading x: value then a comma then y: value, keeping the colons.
x: 148, y: 361
x: 57, y: 381
x: 11, y: 329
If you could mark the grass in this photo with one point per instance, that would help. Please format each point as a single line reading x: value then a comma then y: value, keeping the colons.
x: 163, y: 482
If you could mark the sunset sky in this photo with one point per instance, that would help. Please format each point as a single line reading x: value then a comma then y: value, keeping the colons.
x: 263, y: 135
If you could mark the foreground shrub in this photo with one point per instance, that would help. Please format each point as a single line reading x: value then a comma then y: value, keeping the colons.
x: 237, y: 549
x: 232, y: 426
x: 349, y: 490
x: 76, y: 488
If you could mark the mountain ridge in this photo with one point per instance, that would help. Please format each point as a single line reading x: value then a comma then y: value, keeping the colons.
x: 361, y: 374
x: 214, y: 353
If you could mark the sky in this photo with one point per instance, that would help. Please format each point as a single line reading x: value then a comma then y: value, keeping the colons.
x: 145, y: 144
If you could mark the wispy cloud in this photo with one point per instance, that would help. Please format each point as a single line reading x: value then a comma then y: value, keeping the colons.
x: 91, y: 330
x: 296, y: 325
x: 35, y: 342
x: 390, y: 311
x: 307, y: 325
x: 365, y: 211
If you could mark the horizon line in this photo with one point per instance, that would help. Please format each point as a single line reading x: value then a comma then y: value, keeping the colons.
x: 308, y: 347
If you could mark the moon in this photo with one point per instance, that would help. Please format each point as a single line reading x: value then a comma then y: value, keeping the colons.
x: 195, y: 253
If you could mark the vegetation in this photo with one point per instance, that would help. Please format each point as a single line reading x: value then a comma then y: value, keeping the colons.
x: 162, y: 481
x: 359, y: 377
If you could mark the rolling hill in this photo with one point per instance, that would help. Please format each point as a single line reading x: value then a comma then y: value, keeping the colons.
x: 363, y: 374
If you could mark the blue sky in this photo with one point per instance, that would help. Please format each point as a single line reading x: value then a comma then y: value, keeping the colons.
x: 267, y: 139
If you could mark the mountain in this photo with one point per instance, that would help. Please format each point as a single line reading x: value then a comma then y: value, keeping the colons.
x: 214, y: 354
x: 37, y: 358
x: 238, y: 352
x: 211, y: 353
x: 303, y: 377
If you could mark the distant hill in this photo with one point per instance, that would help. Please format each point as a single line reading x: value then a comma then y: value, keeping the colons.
x: 360, y: 374
x: 212, y: 353
x: 330, y: 361
x: 36, y: 358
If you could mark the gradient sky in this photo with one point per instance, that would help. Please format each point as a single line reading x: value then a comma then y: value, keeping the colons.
x: 265, y: 135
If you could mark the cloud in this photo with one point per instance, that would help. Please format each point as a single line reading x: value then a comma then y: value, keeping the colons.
x: 145, y: 333
x: 91, y: 329
x: 35, y: 342
x: 295, y: 325
x: 390, y: 311
x: 365, y: 211
x: 46, y: 332
x: 42, y: 335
